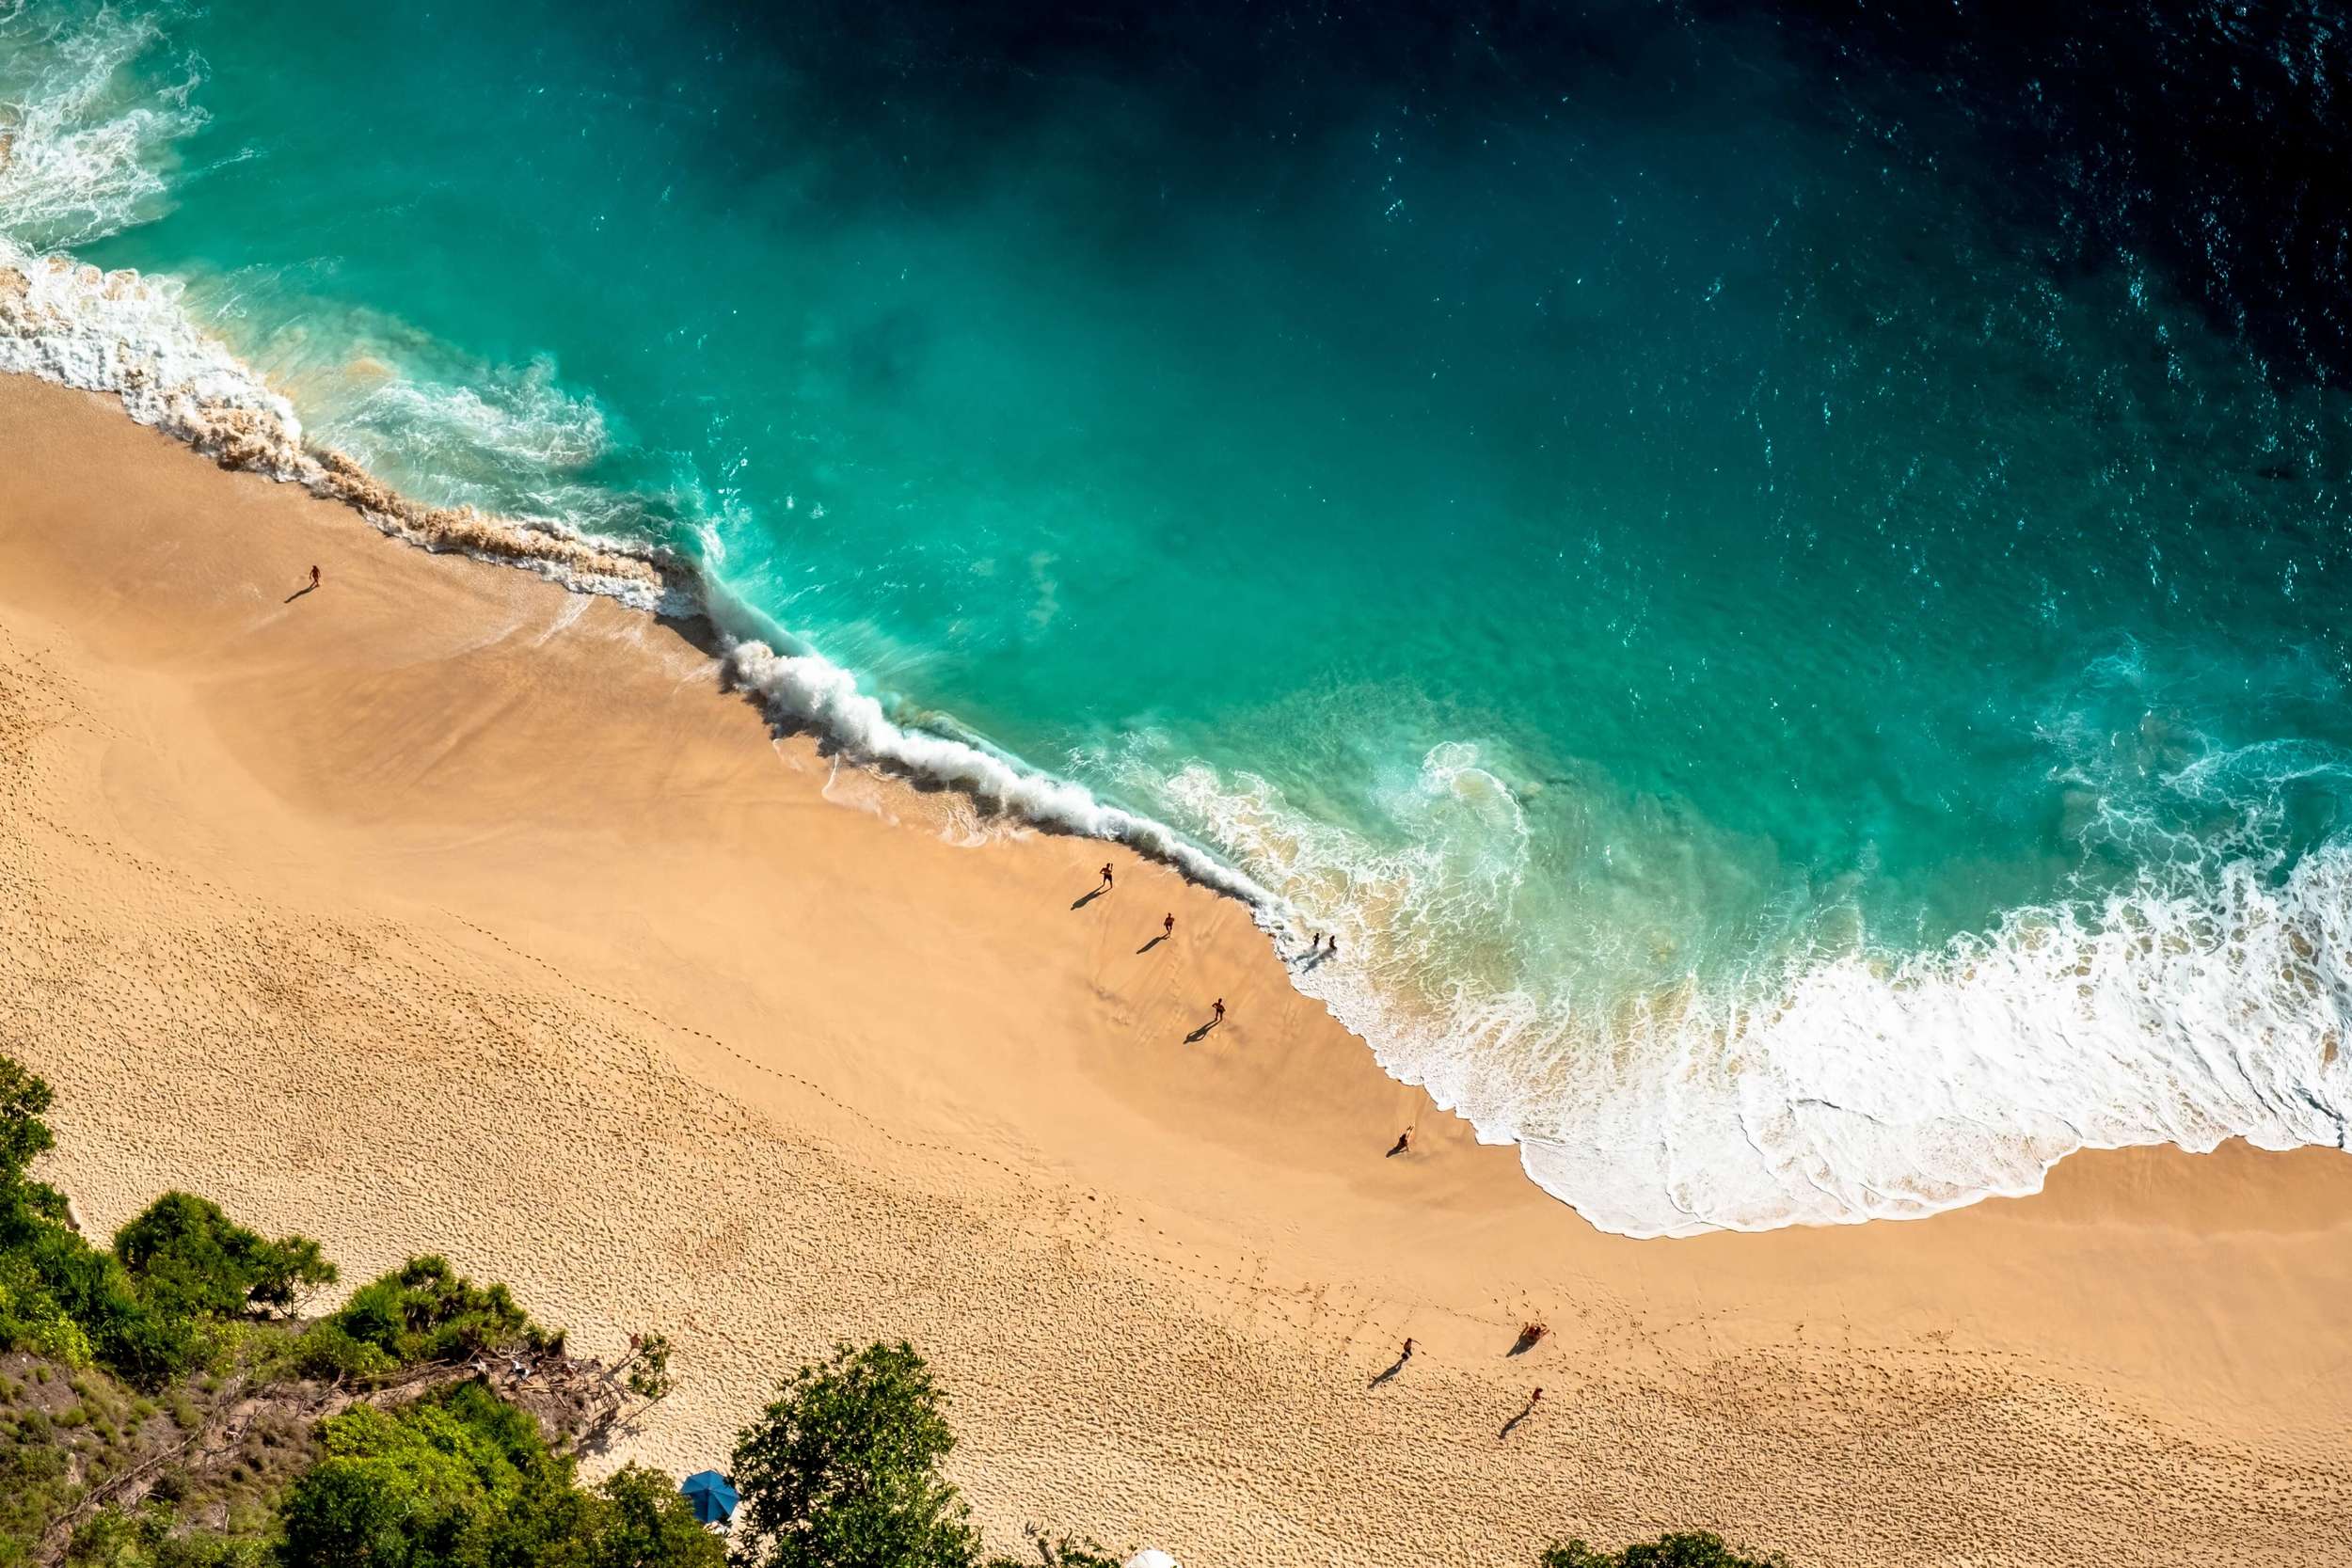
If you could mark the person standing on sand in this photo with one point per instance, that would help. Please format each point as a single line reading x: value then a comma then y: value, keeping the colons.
x: 315, y: 577
x: 1168, y: 927
x: 1218, y: 1008
x: 1106, y: 876
x: 1408, y: 1352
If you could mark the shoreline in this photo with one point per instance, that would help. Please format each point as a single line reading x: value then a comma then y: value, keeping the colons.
x: 448, y: 909
x: 124, y: 335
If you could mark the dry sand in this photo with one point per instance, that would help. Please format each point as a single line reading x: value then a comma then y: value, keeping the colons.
x: 442, y: 910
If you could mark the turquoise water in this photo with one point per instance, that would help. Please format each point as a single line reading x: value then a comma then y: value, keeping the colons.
x: 1802, y: 649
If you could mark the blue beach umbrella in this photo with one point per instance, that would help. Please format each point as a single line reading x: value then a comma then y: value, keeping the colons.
x: 712, y: 1497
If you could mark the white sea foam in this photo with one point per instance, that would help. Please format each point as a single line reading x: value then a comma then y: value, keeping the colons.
x: 83, y: 141
x: 806, y: 688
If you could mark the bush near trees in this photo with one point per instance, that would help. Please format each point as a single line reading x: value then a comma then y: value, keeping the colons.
x: 422, y: 1311
x: 193, y: 1260
x: 151, y: 1308
x: 460, y: 1478
x: 1689, y: 1549
x: 842, y: 1470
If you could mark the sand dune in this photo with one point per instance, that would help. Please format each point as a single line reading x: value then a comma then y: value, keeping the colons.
x: 441, y: 909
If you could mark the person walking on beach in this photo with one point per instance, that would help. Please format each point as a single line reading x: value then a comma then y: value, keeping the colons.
x: 1168, y: 927
x: 315, y: 577
x: 1106, y: 874
x: 1513, y: 1424
x: 1403, y: 1144
x: 1218, y: 1008
x: 1408, y: 1354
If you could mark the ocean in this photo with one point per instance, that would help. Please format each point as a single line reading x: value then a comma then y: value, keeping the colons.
x: 1778, y: 575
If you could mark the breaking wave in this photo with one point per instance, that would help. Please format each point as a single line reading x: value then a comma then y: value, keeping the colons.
x: 2198, y: 1002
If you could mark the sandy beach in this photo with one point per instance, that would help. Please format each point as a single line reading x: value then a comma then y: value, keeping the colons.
x: 442, y: 910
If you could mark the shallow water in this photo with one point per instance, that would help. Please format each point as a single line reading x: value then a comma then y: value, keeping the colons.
x: 1779, y: 583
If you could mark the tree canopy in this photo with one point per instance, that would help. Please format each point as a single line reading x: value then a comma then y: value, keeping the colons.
x: 842, y: 1470
x: 463, y: 1480
x: 1682, y: 1549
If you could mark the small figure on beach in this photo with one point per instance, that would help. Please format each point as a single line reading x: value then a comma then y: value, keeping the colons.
x: 1530, y: 1334
x: 1168, y: 927
x: 1534, y: 1399
x: 315, y: 577
x: 1331, y: 948
x: 1408, y: 1353
x: 1218, y: 1008
x: 1106, y: 874
x: 1403, y: 1144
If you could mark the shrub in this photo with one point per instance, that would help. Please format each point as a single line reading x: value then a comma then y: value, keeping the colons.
x: 193, y: 1260
x: 842, y: 1470
x: 32, y: 1319
x: 1688, y: 1549
x: 24, y: 1099
x: 644, y: 1523
x: 345, y: 1512
x: 422, y: 1311
x: 146, y: 1311
x: 462, y: 1478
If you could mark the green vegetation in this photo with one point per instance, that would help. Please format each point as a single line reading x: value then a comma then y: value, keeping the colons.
x: 152, y: 1307
x: 192, y: 1259
x: 1693, y: 1549
x: 461, y: 1478
x: 648, y: 1366
x: 841, y: 1470
x: 422, y: 1312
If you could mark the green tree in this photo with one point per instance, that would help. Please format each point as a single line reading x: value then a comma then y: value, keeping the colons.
x: 463, y: 1480
x: 1682, y: 1549
x: 648, y: 1366
x: 422, y: 1311
x: 644, y: 1523
x: 24, y: 1099
x: 842, y: 1470
x: 191, y: 1258
x: 459, y: 1475
x: 346, y: 1514
x: 24, y: 1203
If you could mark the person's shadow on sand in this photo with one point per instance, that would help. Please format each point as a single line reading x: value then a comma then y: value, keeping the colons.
x: 1513, y: 1424
x: 1082, y: 903
x: 305, y: 588
x: 1149, y: 945
x: 1201, y: 1034
x: 1389, y: 1376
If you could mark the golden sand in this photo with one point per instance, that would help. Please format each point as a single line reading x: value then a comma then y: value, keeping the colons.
x: 442, y: 910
